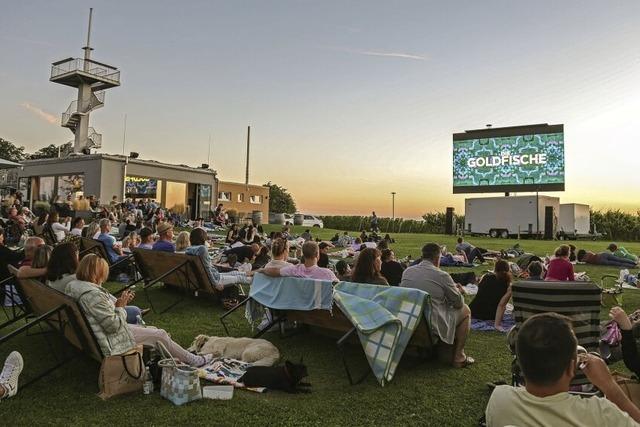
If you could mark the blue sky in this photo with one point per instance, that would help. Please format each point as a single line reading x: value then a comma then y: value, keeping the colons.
x: 347, y: 100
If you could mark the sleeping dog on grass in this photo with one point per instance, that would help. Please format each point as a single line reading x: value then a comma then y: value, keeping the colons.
x: 287, y: 377
x: 258, y: 352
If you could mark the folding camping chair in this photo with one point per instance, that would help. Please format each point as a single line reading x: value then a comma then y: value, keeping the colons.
x: 579, y: 301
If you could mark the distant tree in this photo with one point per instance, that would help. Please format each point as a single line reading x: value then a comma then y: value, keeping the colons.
x: 10, y: 151
x: 50, y: 151
x: 280, y: 201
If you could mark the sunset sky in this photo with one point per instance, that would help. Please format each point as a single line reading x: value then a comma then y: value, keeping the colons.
x: 348, y: 100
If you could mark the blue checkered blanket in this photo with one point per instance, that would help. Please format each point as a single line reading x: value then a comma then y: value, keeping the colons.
x: 385, y: 318
x: 287, y: 293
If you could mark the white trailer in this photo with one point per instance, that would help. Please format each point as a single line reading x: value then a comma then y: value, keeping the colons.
x: 575, y: 221
x: 509, y: 216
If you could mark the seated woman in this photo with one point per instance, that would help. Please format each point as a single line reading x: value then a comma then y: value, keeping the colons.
x: 61, y: 270
x: 38, y: 267
x: 59, y: 230
x: 560, y: 268
x: 108, y: 318
x: 629, y: 345
x: 279, y: 254
x: 261, y: 259
x: 232, y: 234
x: 367, y: 268
x: 343, y: 271
x: 494, y: 292
x: 391, y: 269
x: 182, y: 241
x: 605, y: 258
x: 198, y: 239
x: 130, y: 242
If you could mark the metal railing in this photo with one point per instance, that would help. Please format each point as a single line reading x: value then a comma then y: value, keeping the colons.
x: 95, y: 138
x: 66, y: 116
x: 88, y: 66
x: 97, y: 100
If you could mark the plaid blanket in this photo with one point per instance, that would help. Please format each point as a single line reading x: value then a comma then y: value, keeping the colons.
x: 385, y: 318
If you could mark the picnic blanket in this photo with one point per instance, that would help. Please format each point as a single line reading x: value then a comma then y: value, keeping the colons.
x: 385, y: 318
x: 224, y: 370
x: 286, y: 293
x: 489, y: 325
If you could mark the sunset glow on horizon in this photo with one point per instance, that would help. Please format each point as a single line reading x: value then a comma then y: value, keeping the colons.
x: 347, y: 101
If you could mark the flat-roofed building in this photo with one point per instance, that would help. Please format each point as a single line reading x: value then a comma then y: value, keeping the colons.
x: 244, y: 198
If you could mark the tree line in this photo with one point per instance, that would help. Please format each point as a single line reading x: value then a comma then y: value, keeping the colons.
x: 15, y: 153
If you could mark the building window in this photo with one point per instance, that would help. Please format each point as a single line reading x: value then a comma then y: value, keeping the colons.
x: 176, y: 197
x: 240, y: 197
x: 70, y: 185
x: 224, y: 196
x: 256, y: 200
x: 45, y: 188
x: 140, y: 188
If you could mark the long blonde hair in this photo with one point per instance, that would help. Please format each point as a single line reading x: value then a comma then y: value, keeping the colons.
x: 182, y: 241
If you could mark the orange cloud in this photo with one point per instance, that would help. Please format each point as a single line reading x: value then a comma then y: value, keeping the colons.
x: 47, y: 117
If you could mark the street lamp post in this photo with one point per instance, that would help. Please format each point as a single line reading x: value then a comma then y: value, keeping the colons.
x: 393, y: 205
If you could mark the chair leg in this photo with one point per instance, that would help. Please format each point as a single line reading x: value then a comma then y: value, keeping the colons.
x: 226, y: 314
x: 341, y: 344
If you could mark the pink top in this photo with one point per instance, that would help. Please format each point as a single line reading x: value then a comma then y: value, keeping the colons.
x: 313, y: 272
x: 559, y: 269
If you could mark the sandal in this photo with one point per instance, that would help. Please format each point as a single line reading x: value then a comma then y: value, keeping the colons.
x: 468, y: 361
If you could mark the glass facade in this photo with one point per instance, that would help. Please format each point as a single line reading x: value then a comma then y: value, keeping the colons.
x: 46, y: 186
x: 176, y: 196
x: 70, y: 185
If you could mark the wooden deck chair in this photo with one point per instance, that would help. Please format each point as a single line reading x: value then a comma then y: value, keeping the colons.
x: 579, y: 301
x: 62, y: 315
x: 96, y: 247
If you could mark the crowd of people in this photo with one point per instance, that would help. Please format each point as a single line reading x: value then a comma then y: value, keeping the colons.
x: 544, y: 340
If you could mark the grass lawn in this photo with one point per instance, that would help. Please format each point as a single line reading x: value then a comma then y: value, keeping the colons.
x: 422, y: 393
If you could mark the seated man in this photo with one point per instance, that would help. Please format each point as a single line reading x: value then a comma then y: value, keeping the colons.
x: 165, y: 238
x: 621, y: 252
x: 450, y: 316
x: 244, y: 253
x: 605, y: 258
x: 309, y: 268
x: 546, y: 347
x: 114, y: 251
x: 470, y: 251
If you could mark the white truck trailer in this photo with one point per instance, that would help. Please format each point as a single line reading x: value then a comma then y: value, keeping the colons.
x: 509, y: 216
x: 575, y: 221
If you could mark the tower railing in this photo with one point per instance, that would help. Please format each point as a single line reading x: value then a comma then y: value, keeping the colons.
x: 95, y: 68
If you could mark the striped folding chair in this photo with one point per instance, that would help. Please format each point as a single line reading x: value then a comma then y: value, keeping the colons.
x: 579, y: 301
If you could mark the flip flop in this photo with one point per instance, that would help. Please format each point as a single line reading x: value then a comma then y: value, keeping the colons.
x: 468, y: 361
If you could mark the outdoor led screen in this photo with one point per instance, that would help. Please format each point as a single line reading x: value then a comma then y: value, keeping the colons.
x: 520, y: 158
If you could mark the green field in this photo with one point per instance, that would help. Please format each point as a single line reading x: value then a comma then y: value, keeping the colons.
x: 422, y: 393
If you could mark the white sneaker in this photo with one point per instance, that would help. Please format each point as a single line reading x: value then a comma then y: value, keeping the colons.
x: 9, y: 377
x: 623, y: 275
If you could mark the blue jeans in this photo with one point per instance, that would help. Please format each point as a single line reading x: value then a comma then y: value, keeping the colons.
x: 607, y: 258
x: 132, y: 314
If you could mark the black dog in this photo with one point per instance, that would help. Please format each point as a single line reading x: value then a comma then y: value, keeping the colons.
x: 286, y: 378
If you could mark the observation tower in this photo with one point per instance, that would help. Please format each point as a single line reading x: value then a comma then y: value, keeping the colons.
x: 92, y: 79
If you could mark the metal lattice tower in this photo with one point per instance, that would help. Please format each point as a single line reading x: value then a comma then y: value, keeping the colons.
x: 91, y: 78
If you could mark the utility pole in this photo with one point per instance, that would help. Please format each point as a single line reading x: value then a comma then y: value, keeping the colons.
x: 246, y: 179
x: 393, y: 205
